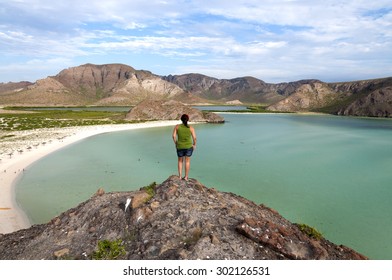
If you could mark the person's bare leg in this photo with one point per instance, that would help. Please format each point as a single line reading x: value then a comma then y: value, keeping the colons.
x: 187, y: 167
x: 180, y: 167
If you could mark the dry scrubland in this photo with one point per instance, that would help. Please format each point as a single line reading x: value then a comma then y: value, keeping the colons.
x: 22, y: 131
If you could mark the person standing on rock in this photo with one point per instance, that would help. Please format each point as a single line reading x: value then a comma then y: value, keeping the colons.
x: 184, y: 137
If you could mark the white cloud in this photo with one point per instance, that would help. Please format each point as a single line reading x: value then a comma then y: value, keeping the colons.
x: 271, y: 39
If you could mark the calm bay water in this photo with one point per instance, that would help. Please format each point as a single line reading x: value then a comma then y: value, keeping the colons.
x: 333, y: 173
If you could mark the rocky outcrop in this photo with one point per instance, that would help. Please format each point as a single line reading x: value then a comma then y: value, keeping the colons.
x: 312, y: 95
x: 376, y: 104
x: 370, y: 98
x: 174, y: 220
x: 149, y: 110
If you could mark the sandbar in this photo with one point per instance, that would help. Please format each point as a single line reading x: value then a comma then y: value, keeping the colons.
x: 20, y: 149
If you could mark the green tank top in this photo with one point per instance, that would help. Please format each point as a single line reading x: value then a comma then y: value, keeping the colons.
x: 184, y: 139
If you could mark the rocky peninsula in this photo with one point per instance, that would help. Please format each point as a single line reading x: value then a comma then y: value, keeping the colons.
x: 149, y: 110
x: 176, y: 219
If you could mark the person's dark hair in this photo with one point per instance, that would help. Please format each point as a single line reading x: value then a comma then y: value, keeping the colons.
x: 185, y: 119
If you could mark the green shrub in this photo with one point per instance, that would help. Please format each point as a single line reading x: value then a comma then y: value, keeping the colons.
x: 150, y: 190
x: 109, y: 250
x: 310, y: 231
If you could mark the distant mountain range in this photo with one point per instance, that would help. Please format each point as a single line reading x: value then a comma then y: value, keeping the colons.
x: 119, y: 84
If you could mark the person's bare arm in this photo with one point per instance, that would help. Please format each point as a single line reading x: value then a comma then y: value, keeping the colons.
x: 193, y: 137
x: 174, y: 135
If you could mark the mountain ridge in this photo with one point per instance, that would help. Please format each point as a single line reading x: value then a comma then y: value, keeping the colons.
x: 120, y: 84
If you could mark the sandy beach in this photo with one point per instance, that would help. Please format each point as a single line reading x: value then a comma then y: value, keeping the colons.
x: 25, y: 147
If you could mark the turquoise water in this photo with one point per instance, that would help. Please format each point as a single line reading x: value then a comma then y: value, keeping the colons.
x: 333, y: 173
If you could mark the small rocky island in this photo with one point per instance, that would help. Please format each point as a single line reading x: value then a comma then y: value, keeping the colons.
x: 149, y: 110
x: 176, y: 219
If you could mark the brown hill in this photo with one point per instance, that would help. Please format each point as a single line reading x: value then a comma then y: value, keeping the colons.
x: 148, y: 110
x: 360, y: 98
x: 306, y: 97
x: 111, y: 84
x: 44, y: 92
x: 177, y: 219
x: 13, y: 87
x: 116, y: 84
x: 377, y: 104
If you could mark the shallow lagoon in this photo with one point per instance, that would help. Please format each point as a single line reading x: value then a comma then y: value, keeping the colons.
x: 333, y: 173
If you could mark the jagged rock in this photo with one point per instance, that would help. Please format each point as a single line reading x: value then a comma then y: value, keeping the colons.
x: 169, y: 110
x: 182, y: 220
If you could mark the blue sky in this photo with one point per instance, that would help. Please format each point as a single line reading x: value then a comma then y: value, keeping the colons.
x: 275, y: 41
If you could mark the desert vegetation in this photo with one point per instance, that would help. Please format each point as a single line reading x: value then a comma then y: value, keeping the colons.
x: 57, y: 119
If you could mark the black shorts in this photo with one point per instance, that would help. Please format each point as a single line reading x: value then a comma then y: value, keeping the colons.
x: 184, y: 152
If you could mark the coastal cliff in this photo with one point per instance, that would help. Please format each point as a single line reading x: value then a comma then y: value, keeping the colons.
x: 176, y: 219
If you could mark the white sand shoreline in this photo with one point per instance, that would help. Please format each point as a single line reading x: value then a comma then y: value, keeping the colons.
x: 20, y: 154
